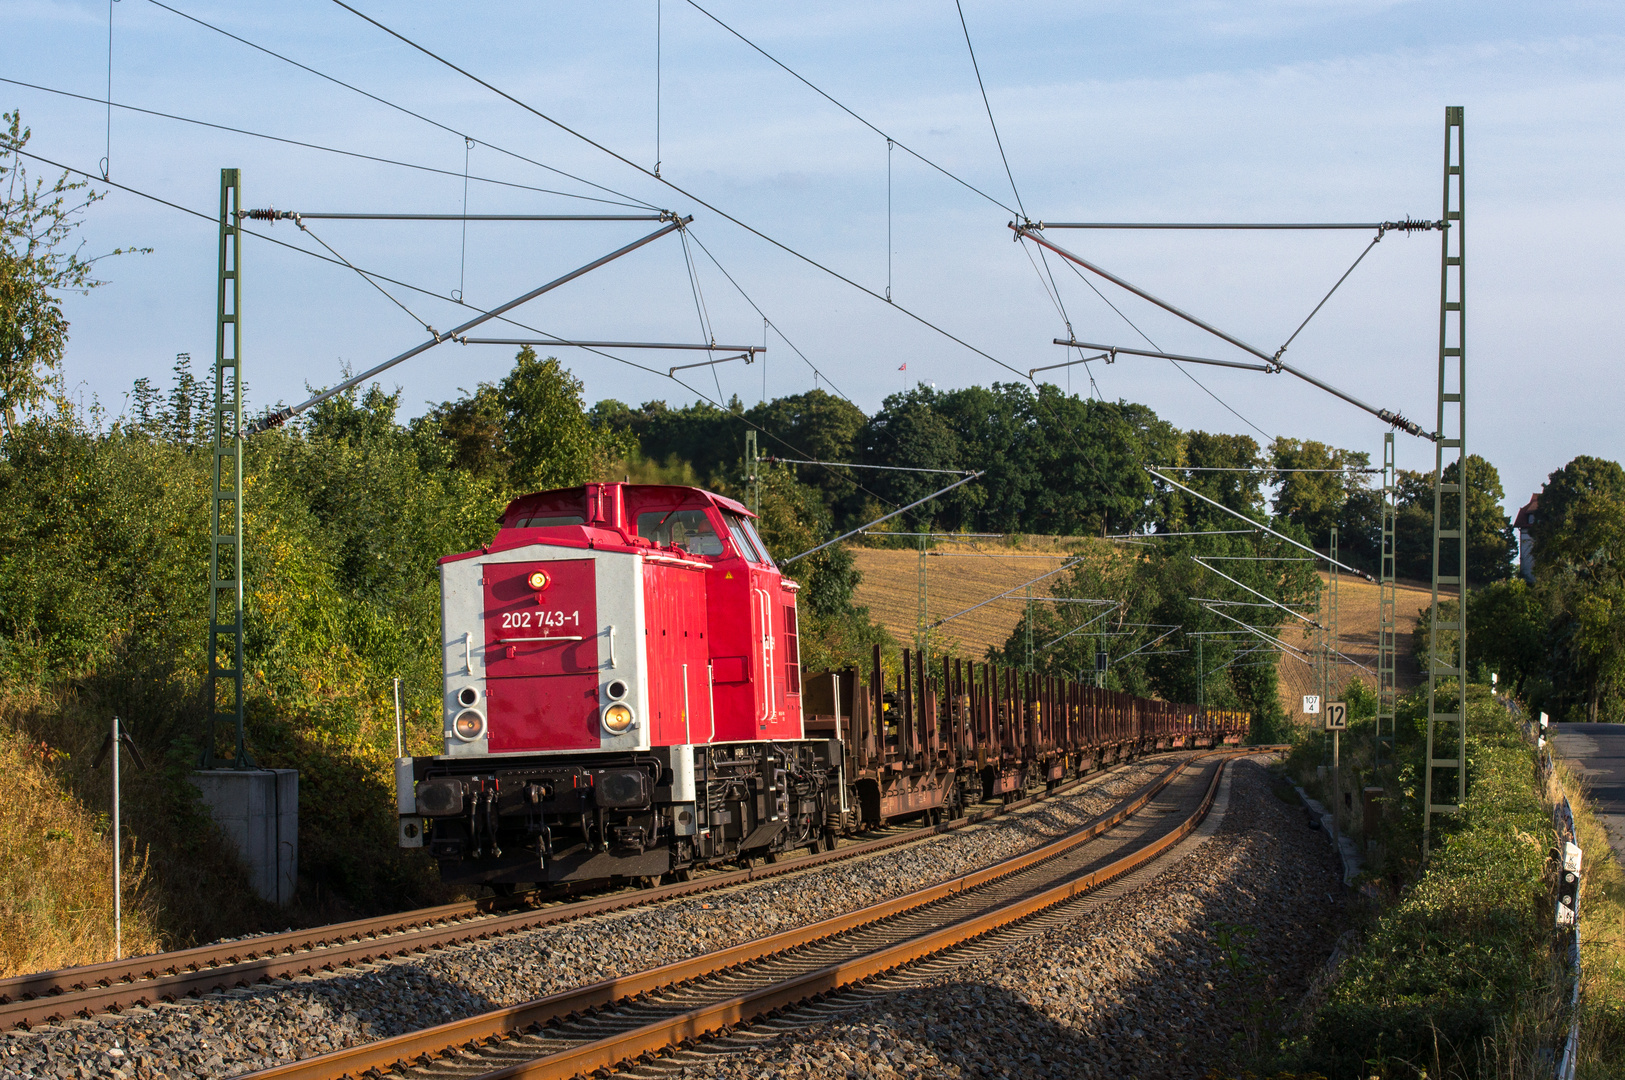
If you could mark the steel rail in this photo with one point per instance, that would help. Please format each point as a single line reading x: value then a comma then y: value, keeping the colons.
x: 658, y: 1036
x: 51, y: 996
x: 386, y: 1054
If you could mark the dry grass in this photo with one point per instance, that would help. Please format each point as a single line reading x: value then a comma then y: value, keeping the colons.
x: 1358, y: 618
x: 956, y: 578
x: 56, y: 872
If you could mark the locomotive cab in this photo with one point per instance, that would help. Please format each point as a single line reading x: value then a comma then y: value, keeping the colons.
x: 622, y: 694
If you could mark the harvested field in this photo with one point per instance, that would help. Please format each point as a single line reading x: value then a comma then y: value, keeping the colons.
x: 1357, y: 620
x: 959, y: 577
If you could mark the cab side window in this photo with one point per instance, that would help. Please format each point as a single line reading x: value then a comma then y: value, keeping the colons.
x: 687, y: 529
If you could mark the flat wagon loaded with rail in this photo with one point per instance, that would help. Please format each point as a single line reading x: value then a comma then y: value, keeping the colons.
x: 624, y: 700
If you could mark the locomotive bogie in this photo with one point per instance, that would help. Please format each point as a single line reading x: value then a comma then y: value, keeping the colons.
x: 624, y: 816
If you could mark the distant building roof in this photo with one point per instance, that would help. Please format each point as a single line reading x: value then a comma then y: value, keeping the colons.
x: 1526, y: 516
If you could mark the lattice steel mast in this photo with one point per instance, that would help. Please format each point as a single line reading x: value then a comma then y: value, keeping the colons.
x: 1450, y: 537
x: 1387, y: 688
x: 224, y: 675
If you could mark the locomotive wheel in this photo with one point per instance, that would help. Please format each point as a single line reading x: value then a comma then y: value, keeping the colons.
x: 502, y: 888
x: 771, y: 857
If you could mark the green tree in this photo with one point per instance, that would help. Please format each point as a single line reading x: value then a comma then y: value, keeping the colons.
x: 529, y: 432
x: 1227, y: 469
x: 818, y: 426
x: 1583, y: 476
x: 1506, y: 630
x: 37, y: 265
x: 1490, y: 543
x: 471, y: 427
x: 1314, y: 501
x: 1581, y: 576
x: 551, y: 441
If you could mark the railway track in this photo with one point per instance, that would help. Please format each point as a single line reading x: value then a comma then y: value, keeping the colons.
x: 625, y: 1019
x: 52, y: 996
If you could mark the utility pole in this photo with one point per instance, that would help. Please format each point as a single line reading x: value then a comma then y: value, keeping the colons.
x: 1334, y: 676
x: 1201, y: 678
x: 753, y: 472
x: 1387, y: 690
x: 921, y: 615
x: 1029, y: 622
x: 1451, y: 537
x: 224, y: 675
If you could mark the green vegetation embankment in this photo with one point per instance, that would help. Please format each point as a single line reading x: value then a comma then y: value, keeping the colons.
x: 1454, y: 974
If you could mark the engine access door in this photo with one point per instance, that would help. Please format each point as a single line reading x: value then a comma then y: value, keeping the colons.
x: 541, y: 650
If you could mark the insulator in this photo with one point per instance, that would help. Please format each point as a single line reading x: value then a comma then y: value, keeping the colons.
x: 269, y: 214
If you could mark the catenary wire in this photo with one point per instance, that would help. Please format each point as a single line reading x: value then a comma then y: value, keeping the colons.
x: 324, y: 149
x: 988, y: 105
x: 701, y: 245
x: 365, y: 276
x: 393, y: 105
x: 214, y: 221
x: 1328, y: 296
x: 781, y: 245
x: 1154, y: 345
x: 1060, y: 309
x: 821, y: 93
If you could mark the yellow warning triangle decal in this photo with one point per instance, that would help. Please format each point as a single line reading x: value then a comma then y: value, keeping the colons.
x: 729, y: 576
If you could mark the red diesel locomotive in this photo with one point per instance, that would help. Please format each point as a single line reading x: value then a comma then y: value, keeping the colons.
x: 624, y: 700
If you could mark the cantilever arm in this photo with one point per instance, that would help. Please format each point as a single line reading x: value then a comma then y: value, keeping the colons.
x: 282, y: 416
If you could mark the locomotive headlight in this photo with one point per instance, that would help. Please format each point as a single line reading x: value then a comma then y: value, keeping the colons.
x: 469, y: 725
x: 617, y: 718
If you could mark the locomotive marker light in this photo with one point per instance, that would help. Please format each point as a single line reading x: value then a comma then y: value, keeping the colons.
x: 538, y: 580
x: 618, y: 718
x: 469, y: 725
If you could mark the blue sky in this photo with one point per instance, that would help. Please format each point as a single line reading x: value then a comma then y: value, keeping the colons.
x: 1107, y: 111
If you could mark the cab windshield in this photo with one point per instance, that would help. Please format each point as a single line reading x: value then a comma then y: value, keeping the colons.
x: 745, y: 539
x: 687, y: 529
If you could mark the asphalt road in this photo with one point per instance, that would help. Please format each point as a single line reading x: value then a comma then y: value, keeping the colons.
x: 1597, y: 753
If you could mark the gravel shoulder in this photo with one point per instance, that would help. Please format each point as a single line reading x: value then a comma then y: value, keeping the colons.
x: 1190, y: 970
x: 254, y: 1028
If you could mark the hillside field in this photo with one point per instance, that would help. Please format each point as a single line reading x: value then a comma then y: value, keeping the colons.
x: 959, y: 576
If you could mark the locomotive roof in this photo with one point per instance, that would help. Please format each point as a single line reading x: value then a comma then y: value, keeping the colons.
x: 634, y: 490
x: 587, y: 529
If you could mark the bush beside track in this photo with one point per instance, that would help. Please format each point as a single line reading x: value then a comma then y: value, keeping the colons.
x: 1456, y: 978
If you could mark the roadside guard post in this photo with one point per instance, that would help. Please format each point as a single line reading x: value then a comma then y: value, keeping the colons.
x: 1568, y: 889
